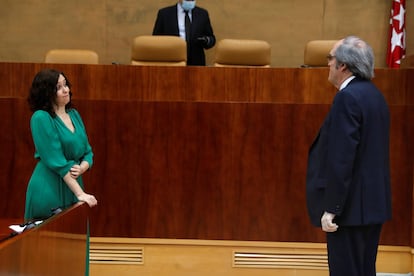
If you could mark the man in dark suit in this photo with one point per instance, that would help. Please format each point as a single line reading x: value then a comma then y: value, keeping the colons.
x: 172, y: 21
x: 348, y: 178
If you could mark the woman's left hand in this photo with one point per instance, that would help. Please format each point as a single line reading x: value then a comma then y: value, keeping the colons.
x: 75, y: 171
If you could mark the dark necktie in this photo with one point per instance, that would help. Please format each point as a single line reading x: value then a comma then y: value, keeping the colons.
x: 187, y: 26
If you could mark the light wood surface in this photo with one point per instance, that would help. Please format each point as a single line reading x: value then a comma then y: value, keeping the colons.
x: 201, y: 257
x: 55, y: 247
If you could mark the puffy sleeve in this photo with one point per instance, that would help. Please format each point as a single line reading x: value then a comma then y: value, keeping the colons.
x: 47, y: 143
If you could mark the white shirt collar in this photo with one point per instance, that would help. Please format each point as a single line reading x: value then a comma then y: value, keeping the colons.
x: 180, y: 9
x: 181, y: 20
x: 346, y: 82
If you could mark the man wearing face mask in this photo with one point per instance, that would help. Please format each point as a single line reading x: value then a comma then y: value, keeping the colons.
x: 190, y: 23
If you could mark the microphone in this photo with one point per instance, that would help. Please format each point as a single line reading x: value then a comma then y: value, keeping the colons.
x: 20, y: 228
x: 34, y: 222
x: 56, y: 211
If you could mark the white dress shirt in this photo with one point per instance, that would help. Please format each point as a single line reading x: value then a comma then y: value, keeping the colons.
x: 181, y: 20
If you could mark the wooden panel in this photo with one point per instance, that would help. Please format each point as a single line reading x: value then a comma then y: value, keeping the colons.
x: 276, y: 85
x: 17, y: 156
x: 219, y: 170
x: 60, y: 242
x: 202, y: 170
x: 179, y: 84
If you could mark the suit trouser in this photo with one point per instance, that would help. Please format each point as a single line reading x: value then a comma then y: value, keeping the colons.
x: 352, y: 250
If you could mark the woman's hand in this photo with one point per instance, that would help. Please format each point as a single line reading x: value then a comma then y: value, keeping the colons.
x: 78, y: 170
x: 77, y: 189
x: 75, y: 171
x: 89, y: 199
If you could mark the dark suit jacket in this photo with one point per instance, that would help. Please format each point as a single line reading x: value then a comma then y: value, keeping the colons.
x: 167, y: 24
x: 348, y: 165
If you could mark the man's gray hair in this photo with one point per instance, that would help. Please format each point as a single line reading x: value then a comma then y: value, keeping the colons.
x: 357, y: 55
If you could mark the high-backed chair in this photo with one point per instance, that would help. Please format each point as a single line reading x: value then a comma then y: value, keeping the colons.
x: 407, y: 62
x: 161, y: 50
x: 316, y: 52
x: 72, y: 56
x: 242, y: 53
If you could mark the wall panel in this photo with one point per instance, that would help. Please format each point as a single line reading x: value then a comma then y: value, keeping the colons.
x: 29, y: 28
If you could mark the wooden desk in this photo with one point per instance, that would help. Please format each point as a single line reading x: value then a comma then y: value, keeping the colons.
x: 56, y: 247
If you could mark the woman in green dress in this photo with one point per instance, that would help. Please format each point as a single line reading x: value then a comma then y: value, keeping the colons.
x: 61, y: 148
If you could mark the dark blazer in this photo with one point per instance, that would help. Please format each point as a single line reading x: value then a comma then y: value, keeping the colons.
x: 348, y: 164
x: 167, y: 24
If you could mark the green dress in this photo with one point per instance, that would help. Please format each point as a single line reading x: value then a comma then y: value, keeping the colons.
x: 57, y: 149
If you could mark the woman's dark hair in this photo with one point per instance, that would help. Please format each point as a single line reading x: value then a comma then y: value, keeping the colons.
x: 42, y: 94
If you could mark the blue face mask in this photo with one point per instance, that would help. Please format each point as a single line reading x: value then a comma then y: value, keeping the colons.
x: 188, y: 5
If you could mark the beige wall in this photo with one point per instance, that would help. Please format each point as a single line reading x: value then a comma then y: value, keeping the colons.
x: 30, y: 27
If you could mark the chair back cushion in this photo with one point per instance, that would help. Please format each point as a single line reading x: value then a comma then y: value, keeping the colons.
x: 316, y: 52
x: 72, y: 56
x: 158, y: 50
x: 242, y: 52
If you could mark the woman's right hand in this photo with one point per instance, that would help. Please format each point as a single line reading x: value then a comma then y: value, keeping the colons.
x: 89, y: 199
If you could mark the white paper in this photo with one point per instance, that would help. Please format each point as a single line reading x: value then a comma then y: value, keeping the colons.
x: 18, y: 229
